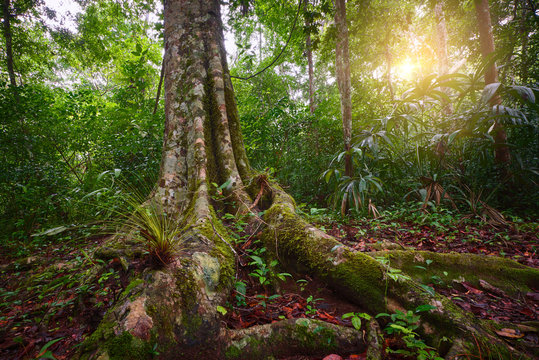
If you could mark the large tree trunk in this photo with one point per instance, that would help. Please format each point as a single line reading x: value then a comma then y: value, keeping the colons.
x: 501, y: 150
x: 175, y: 306
x: 342, y: 69
x: 6, y: 9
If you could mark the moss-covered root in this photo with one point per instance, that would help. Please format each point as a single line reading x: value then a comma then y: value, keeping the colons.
x: 172, y: 310
x: 307, y: 249
x: 364, y: 281
x: 292, y: 337
x: 507, y: 275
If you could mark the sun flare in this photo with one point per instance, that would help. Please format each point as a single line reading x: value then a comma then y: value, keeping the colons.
x: 407, y: 69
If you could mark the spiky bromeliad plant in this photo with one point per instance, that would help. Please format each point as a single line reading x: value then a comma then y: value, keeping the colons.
x: 156, y: 229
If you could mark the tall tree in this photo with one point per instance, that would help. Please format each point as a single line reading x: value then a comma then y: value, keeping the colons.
x: 6, y: 14
x: 342, y: 69
x: 502, y: 154
x: 441, y: 46
x: 175, y: 306
x: 441, y: 37
x: 389, y: 61
x: 309, y: 50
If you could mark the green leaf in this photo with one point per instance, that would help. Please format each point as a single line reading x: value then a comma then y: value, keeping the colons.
x: 425, y: 307
x: 489, y: 91
x: 335, y: 247
x: 524, y: 92
x: 428, y: 289
x: 43, y: 353
x: 226, y: 185
x: 356, y: 322
x: 51, y: 232
x: 222, y: 310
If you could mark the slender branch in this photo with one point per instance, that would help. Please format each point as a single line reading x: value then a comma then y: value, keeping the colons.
x: 159, y: 87
x: 67, y: 161
x: 282, y: 50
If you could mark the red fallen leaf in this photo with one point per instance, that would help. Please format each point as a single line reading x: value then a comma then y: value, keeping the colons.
x: 287, y: 310
x: 470, y: 288
x: 526, y: 311
x: 325, y: 316
x: 533, y: 296
x: 510, y: 333
x: 478, y: 308
x: 357, y: 357
x: 247, y: 244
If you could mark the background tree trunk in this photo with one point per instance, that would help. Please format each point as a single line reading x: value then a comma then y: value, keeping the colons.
x: 309, y: 51
x: 502, y: 154
x: 389, y: 63
x: 441, y: 48
x: 7, y: 35
x: 441, y: 37
x: 342, y: 68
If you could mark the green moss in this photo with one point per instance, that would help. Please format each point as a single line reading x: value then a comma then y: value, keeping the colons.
x: 186, y: 284
x: 363, y: 281
x: 133, y: 284
x: 503, y: 273
x: 221, y: 250
x: 128, y: 347
x: 191, y: 321
x: 104, y: 331
x: 211, y: 122
x: 233, y: 352
x: 314, y: 336
x: 358, y: 276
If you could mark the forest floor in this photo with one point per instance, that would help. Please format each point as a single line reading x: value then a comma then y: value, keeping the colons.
x: 50, y: 301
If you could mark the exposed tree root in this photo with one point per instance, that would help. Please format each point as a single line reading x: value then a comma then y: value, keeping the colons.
x: 363, y: 280
x: 175, y: 307
x: 293, y: 337
x: 505, y: 274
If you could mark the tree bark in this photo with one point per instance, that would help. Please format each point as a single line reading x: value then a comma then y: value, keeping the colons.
x: 7, y: 35
x: 441, y: 48
x: 501, y: 150
x: 308, y: 45
x: 175, y: 306
x: 441, y: 37
x: 389, y: 63
x: 342, y: 69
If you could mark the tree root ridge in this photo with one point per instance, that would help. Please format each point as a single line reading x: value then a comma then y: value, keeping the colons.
x: 293, y: 337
